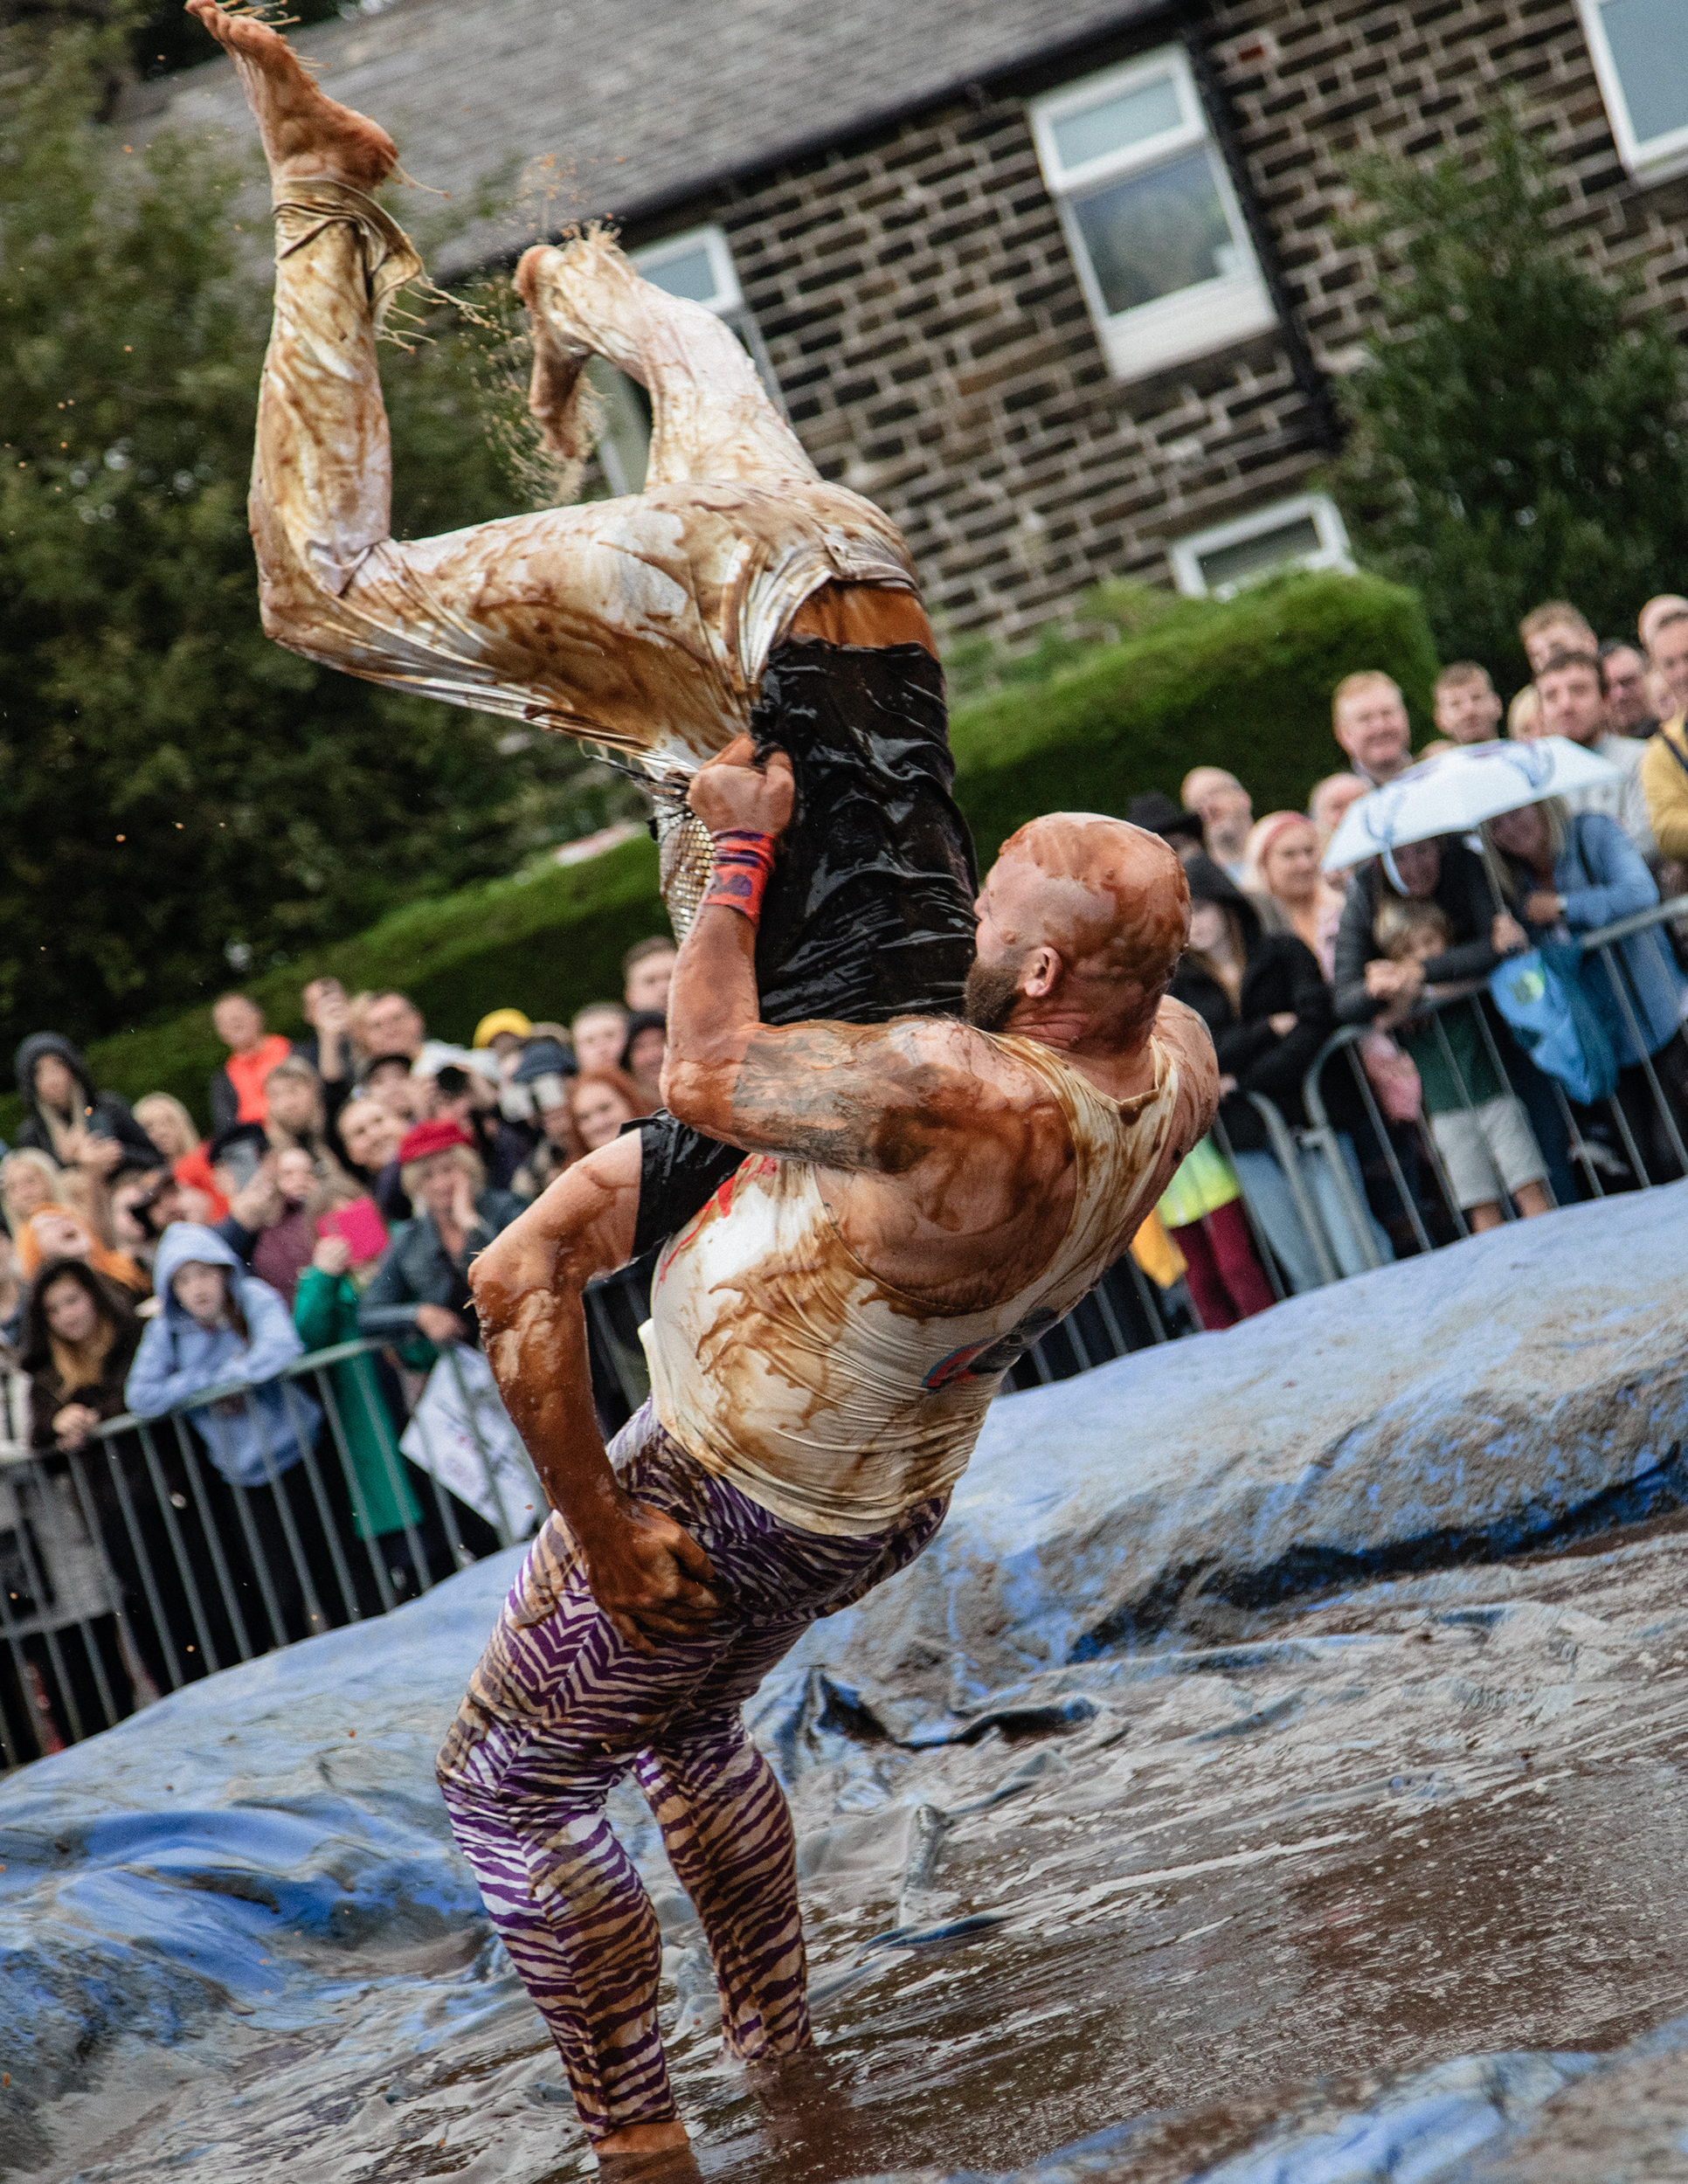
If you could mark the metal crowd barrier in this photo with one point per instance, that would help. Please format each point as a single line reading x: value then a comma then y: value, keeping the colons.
x: 1601, y: 1141
x: 129, y: 1566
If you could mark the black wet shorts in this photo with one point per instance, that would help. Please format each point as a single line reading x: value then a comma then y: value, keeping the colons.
x: 869, y: 912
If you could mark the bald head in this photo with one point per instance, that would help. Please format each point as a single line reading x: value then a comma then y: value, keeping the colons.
x: 1082, y: 916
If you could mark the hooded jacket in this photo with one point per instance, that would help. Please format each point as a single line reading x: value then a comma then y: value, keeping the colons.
x: 108, y: 1115
x: 1280, y: 973
x: 179, y: 1359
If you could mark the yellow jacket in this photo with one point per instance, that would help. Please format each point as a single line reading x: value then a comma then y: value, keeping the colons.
x: 1664, y: 784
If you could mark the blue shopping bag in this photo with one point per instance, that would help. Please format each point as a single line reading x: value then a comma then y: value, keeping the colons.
x: 1542, y: 996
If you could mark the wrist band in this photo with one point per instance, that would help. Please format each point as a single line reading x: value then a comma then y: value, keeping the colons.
x: 743, y: 861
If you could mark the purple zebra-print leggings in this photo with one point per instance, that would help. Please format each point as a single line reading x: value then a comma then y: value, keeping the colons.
x: 560, y: 1708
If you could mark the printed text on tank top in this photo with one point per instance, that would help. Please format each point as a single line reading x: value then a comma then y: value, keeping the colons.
x: 835, y: 1401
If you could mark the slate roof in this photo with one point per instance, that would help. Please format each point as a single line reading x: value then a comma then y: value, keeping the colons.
x: 639, y: 104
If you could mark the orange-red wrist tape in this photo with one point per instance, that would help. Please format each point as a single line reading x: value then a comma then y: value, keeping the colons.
x: 743, y: 861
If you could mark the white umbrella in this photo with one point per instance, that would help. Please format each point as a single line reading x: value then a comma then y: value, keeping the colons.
x: 1452, y: 793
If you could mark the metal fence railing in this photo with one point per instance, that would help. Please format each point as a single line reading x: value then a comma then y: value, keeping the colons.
x: 129, y: 1565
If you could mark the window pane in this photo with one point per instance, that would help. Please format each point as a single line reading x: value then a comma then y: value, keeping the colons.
x: 691, y: 274
x: 1230, y: 564
x: 1112, y: 125
x: 1649, y: 40
x: 1158, y: 232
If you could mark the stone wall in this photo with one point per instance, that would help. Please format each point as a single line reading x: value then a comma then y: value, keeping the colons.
x: 927, y: 327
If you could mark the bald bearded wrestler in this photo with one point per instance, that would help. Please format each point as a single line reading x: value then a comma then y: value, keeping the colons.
x: 739, y: 591
x: 915, y: 1204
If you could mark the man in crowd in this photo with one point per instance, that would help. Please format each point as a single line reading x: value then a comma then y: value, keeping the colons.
x: 326, y: 1046
x: 1553, y: 627
x: 1328, y: 803
x: 1369, y: 718
x: 597, y: 1034
x: 1664, y: 756
x: 646, y: 970
x: 237, y: 1090
x: 826, y: 1336
x: 394, y: 1025
x: 1573, y: 705
x: 1467, y: 704
x: 1623, y: 678
x: 1227, y: 812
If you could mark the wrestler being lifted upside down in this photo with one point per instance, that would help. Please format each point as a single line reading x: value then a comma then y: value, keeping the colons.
x: 907, y: 1197
x: 738, y: 591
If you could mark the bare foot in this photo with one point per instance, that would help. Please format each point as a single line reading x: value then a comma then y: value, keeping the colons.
x: 305, y: 132
x: 654, y: 2151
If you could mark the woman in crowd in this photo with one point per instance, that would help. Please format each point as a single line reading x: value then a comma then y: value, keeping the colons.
x: 64, y: 1115
x: 1369, y: 986
x: 1282, y: 864
x: 29, y: 1180
x: 170, y: 1128
x: 1262, y: 997
x: 1568, y: 875
x: 422, y: 1290
x: 14, y: 1297
x: 302, y: 1110
x: 80, y: 1336
x: 54, y: 1232
x: 283, y: 1251
x: 371, y: 1137
x: 387, y: 1509
x: 600, y: 1102
x: 218, y: 1323
x: 641, y: 1057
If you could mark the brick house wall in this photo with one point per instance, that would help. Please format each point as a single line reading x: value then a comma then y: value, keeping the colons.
x: 923, y: 318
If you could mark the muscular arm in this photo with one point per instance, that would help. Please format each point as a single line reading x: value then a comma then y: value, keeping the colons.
x: 843, y: 1095
x: 646, y: 1574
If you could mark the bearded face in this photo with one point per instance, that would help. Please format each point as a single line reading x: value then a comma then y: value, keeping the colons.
x: 988, y: 998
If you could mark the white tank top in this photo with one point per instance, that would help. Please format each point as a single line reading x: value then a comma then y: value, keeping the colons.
x: 833, y: 1400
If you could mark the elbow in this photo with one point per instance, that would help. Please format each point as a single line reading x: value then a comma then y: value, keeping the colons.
x: 692, y: 1092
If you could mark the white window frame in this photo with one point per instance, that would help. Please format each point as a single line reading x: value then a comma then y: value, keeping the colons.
x: 1333, y: 552
x: 1649, y: 159
x: 729, y: 297
x: 1193, y: 322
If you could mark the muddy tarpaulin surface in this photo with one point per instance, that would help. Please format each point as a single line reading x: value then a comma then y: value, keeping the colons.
x: 1259, y: 1782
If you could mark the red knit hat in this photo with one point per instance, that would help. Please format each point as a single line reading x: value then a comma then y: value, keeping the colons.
x: 422, y: 1139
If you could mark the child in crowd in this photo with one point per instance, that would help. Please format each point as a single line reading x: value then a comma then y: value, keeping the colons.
x: 1480, y: 1128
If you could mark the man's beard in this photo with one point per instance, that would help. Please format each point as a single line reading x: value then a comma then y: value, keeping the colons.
x: 988, y: 998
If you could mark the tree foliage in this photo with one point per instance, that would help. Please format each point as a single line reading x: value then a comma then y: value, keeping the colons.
x: 172, y: 783
x: 1516, y: 431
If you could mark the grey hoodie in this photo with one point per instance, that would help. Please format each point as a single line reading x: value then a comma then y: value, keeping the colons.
x: 179, y: 1359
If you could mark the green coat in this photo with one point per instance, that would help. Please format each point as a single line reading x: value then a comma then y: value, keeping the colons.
x: 325, y: 1312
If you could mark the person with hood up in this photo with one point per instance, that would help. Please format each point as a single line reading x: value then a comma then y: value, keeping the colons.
x: 218, y: 1323
x: 65, y: 1118
x: 1263, y: 998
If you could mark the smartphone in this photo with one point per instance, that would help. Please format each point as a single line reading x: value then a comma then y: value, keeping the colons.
x: 360, y: 1224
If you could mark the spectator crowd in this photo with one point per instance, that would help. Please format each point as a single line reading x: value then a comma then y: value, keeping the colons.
x: 349, y: 1176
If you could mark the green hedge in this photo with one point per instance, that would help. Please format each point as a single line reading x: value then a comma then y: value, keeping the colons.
x: 1243, y: 683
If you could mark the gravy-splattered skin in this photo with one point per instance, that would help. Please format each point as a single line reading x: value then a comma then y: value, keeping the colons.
x: 827, y: 1332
